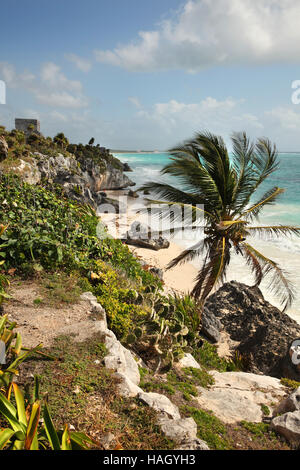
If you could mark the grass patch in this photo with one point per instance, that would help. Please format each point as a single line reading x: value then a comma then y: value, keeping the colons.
x: 260, y: 431
x: 207, y: 356
x: 59, y: 288
x: 291, y: 384
x: 83, y: 393
x: 265, y: 409
x: 210, y: 429
x: 199, y: 377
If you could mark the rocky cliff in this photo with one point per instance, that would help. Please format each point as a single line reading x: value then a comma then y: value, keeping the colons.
x: 84, y: 171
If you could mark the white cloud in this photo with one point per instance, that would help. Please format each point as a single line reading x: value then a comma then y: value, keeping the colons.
x: 51, y: 87
x: 286, y: 118
x: 135, y: 101
x: 215, y: 32
x: 82, y: 64
x: 178, y: 120
x: 61, y: 100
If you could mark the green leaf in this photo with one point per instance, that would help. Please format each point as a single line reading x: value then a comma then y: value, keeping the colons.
x: 32, y: 426
x: 5, y: 436
x: 20, y: 404
x: 9, y: 412
x: 65, y: 440
x: 50, y: 429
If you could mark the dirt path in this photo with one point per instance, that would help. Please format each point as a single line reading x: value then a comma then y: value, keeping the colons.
x: 42, y: 323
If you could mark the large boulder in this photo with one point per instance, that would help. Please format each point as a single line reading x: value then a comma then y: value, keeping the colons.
x: 289, y: 404
x: 288, y: 425
x: 141, y: 235
x: 263, y: 333
x: 238, y: 396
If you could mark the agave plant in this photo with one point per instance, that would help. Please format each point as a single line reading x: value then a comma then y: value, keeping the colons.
x: 25, y: 431
x: 222, y: 190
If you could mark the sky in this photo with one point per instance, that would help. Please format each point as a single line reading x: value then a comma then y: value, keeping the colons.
x: 140, y: 74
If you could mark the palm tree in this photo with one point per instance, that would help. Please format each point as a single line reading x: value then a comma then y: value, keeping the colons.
x: 224, y: 188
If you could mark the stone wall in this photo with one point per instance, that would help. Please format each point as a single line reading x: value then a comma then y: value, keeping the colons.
x: 28, y: 126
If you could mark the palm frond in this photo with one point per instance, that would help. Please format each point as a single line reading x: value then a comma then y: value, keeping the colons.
x: 196, y: 180
x: 215, y: 159
x: 170, y: 193
x: 243, y: 151
x: 187, y: 255
x: 276, y: 230
x: 279, y: 284
x: 269, y: 198
x: 253, y: 262
x: 264, y: 162
x: 213, y: 270
x: 161, y: 209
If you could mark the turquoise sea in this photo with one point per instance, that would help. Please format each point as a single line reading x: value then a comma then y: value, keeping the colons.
x: 147, y: 166
x: 285, y: 251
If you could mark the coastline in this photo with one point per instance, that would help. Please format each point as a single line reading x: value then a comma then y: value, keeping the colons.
x: 181, y: 278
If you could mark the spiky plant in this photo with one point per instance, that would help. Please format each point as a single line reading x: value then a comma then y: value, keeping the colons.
x: 223, y: 188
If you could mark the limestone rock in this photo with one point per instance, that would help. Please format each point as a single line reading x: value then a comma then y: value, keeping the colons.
x: 238, y: 396
x: 82, y: 179
x: 193, y: 444
x: 126, y: 387
x: 126, y: 167
x: 288, y: 425
x: 188, y: 361
x: 133, y: 194
x: 160, y: 403
x: 108, y: 441
x: 114, y: 178
x: 140, y: 235
x: 210, y: 325
x: 179, y: 429
x: 290, y: 404
x: 120, y: 359
x: 88, y: 296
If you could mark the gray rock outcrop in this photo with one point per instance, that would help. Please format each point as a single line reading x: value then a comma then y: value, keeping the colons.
x: 81, y: 181
x: 263, y: 333
x: 290, y: 404
x: 238, y: 396
x: 288, y: 425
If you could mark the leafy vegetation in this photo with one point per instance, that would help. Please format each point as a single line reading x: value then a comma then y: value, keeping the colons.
x: 221, y: 190
x: 25, y: 431
x: 208, y: 357
x: 12, y: 354
x: 45, y: 230
x: 83, y: 393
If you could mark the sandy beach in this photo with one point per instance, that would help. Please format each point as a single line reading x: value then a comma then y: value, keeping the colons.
x: 182, y: 278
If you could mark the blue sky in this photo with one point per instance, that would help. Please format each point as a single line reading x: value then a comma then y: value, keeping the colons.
x: 136, y: 74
